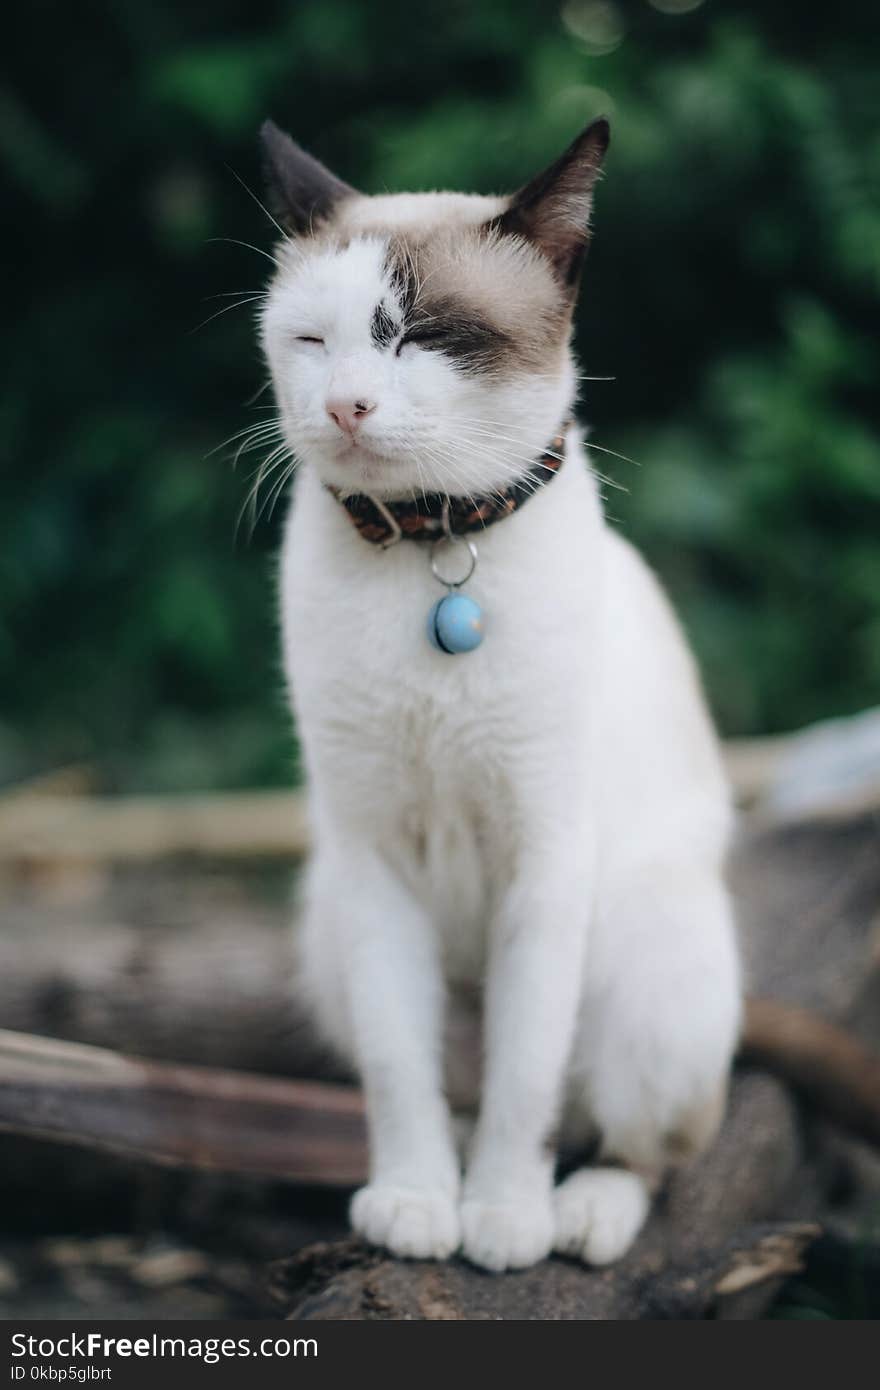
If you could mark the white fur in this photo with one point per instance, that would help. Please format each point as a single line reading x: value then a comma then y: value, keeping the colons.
x: 598, y: 1214
x: 546, y: 815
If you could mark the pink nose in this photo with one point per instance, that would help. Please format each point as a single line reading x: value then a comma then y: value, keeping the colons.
x: 348, y: 414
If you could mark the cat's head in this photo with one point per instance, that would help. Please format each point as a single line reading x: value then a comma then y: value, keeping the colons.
x: 421, y: 341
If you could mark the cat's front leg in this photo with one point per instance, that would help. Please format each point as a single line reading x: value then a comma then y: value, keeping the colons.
x: 533, y: 988
x: 382, y: 942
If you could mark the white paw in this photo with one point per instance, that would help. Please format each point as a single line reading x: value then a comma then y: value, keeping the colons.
x: 599, y: 1213
x: 417, y: 1223
x: 508, y: 1234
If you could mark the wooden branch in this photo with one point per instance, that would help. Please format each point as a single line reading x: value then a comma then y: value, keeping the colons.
x: 193, y: 1117
x: 827, y: 1065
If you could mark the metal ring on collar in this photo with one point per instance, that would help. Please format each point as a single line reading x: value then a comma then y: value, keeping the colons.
x: 454, y: 540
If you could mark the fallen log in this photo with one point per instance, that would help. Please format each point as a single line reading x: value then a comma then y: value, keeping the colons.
x: 176, y: 963
x: 347, y: 1280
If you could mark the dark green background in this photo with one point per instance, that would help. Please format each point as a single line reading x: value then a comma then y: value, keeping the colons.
x: 732, y: 294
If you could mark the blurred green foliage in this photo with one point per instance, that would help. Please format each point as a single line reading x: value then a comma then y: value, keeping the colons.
x: 731, y: 293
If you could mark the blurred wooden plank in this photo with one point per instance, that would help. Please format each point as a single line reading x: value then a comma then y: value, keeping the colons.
x: 75, y: 779
x: 50, y: 827
x: 181, y: 1116
x: 45, y: 828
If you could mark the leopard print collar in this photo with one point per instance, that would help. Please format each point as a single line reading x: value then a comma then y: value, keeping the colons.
x: 422, y: 519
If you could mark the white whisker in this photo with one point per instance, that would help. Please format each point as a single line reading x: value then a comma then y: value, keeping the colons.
x: 225, y: 310
x: 261, y: 205
x: 234, y: 241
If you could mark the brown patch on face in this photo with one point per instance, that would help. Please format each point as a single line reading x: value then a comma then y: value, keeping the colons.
x: 451, y: 326
x: 488, y: 302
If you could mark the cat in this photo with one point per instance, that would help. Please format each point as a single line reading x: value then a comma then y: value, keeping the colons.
x: 524, y: 841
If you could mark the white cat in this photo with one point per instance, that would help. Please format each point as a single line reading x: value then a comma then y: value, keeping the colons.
x: 534, y: 829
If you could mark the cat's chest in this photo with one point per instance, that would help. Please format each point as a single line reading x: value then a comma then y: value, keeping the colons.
x: 378, y: 704
x: 356, y: 626
x: 409, y: 744
x: 426, y: 754
x: 410, y: 726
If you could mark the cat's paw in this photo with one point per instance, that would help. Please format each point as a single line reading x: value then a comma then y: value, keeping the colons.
x: 512, y: 1234
x: 416, y: 1223
x: 599, y: 1213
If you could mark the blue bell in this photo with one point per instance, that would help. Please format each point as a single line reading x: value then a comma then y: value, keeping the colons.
x: 455, y: 624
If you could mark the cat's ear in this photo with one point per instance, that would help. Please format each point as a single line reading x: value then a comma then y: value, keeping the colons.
x: 301, y: 192
x: 553, y: 209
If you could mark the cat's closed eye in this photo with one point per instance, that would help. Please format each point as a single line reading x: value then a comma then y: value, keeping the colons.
x: 305, y: 338
x: 423, y: 337
x: 466, y: 338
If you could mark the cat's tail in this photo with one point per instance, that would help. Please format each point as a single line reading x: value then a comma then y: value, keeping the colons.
x: 827, y: 1065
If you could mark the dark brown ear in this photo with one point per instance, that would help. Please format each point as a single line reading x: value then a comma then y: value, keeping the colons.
x: 301, y: 192
x: 553, y: 210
